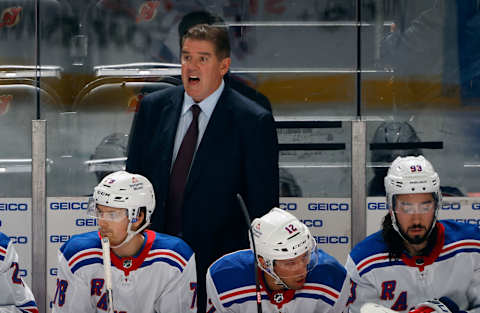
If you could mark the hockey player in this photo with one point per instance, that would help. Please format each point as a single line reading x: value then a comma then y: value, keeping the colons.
x: 15, y: 296
x: 416, y: 259
x: 150, y: 272
x: 294, y: 275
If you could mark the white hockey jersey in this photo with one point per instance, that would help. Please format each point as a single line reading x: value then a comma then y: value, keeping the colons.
x: 15, y: 296
x: 452, y: 269
x: 231, y: 287
x: 161, y: 278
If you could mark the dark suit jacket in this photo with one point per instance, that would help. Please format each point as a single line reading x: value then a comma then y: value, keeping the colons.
x: 238, y: 154
x: 238, y: 85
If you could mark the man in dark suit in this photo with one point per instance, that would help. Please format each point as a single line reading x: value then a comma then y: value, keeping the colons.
x: 236, y: 152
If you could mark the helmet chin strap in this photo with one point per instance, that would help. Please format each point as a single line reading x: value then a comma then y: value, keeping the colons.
x: 130, y: 234
x: 395, y: 226
x: 278, y: 280
x: 269, y: 270
x: 397, y: 229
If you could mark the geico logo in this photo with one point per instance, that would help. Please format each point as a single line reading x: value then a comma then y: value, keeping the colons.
x: 59, y: 238
x: 68, y: 205
x: 377, y: 206
x: 54, y: 271
x: 20, y: 240
x: 86, y: 222
x: 451, y: 206
x: 288, y: 206
x: 328, y: 206
x: 471, y: 221
x: 13, y: 207
x: 331, y: 239
x: 312, y: 223
x: 476, y: 206
x: 22, y: 272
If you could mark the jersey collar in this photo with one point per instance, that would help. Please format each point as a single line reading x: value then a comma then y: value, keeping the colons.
x: 277, y: 297
x: 424, y: 260
x: 128, y: 264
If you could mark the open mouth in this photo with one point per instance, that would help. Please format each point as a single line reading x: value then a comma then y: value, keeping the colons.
x: 193, y: 79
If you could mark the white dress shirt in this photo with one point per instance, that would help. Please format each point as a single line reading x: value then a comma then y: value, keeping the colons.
x: 207, y: 105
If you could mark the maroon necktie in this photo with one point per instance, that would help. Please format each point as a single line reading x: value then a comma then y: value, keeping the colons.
x: 178, y: 177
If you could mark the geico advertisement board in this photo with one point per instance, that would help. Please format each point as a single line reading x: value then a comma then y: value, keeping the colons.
x: 328, y: 220
x: 15, y: 222
x: 460, y: 209
x: 65, y: 217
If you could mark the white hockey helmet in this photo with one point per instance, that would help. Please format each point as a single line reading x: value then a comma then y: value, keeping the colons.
x: 127, y: 191
x: 279, y: 235
x: 410, y: 175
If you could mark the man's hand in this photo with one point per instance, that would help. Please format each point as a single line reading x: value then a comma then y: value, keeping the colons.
x: 442, y: 305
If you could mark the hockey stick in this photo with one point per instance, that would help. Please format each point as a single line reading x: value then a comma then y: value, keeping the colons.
x: 107, y: 267
x: 375, y: 308
x: 257, y: 283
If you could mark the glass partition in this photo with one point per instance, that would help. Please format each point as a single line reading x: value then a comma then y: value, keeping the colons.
x: 431, y: 105
x: 408, y: 69
x: 18, y: 104
x: 299, y: 63
x: 427, y: 100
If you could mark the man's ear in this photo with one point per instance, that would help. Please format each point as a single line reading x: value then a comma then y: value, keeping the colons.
x: 140, y: 219
x: 225, y: 65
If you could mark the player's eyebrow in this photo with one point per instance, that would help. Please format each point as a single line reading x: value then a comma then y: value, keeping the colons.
x: 410, y: 203
x: 201, y: 53
x: 104, y: 210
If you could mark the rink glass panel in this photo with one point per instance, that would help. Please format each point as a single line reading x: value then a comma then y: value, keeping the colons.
x: 284, y: 50
x: 306, y: 57
x: 425, y: 96
x: 18, y: 107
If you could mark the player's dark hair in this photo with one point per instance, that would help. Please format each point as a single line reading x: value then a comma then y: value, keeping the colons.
x: 217, y: 35
x: 144, y: 210
x: 395, y: 243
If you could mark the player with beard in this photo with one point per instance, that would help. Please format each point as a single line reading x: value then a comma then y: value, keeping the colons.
x: 294, y: 275
x: 416, y: 261
x: 150, y: 272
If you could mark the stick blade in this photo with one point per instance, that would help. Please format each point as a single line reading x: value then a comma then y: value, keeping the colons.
x: 375, y: 308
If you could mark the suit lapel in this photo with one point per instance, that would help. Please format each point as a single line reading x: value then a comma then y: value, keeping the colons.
x: 219, y: 121
x: 167, y: 128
